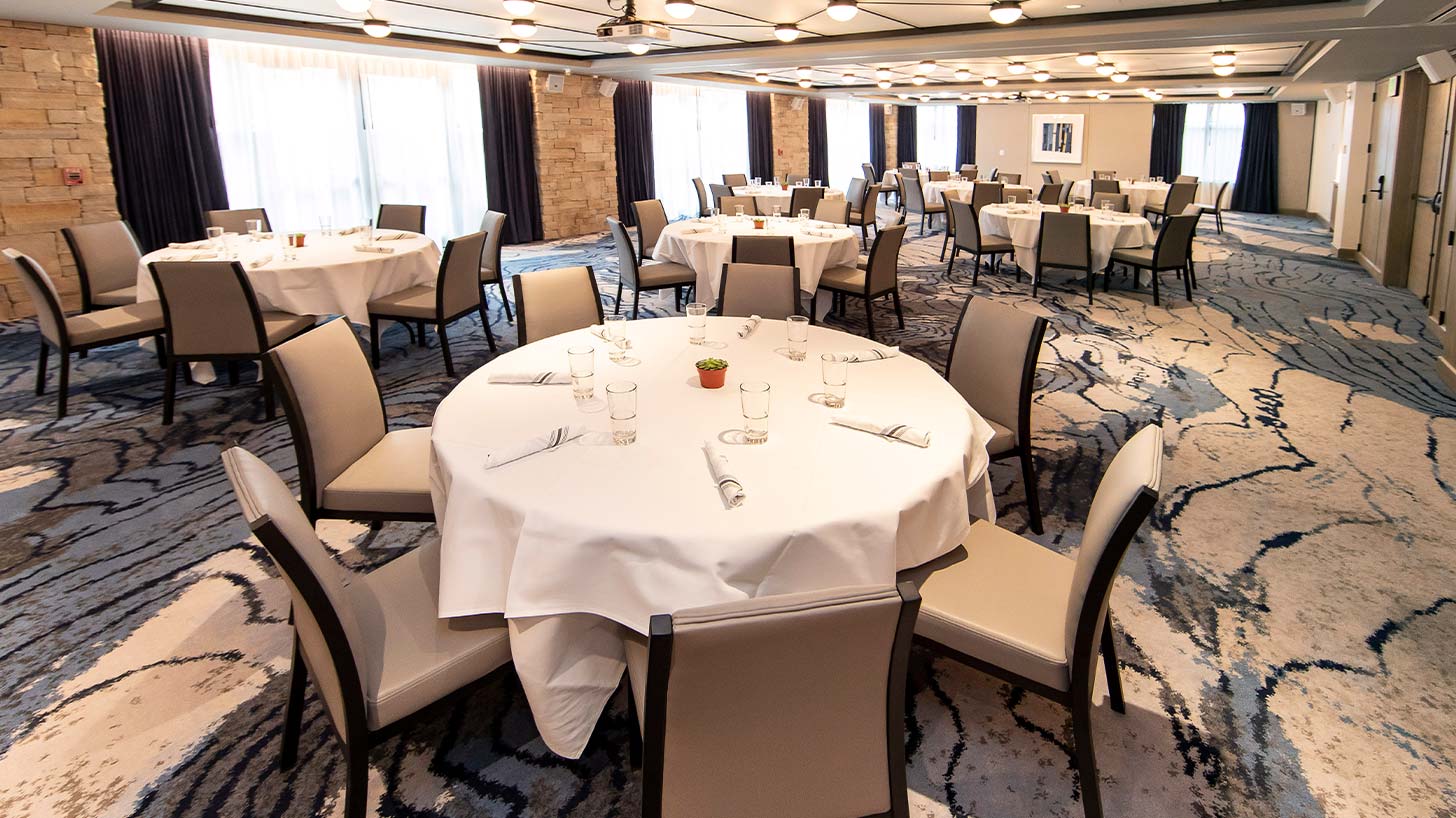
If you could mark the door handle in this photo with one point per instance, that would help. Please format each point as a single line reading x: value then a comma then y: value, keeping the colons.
x: 1379, y: 190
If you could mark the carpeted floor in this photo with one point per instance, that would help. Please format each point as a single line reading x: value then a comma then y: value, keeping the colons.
x: 1286, y: 622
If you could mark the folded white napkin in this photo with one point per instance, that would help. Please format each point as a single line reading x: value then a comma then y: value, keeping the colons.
x: 349, y: 231
x: 693, y: 231
x: 863, y: 355
x: 894, y: 431
x: 532, y: 378
x: 201, y: 256
x: 188, y: 245
x: 728, y: 485
x: 369, y: 248
x: 553, y: 439
x: 260, y: 262
x: 600, y: 332
x: 394, y: 237
x: 749, y: 326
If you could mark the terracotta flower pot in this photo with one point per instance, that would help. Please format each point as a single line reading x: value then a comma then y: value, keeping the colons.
x: 758, y: 224
x: 1065, y: 208
x: 712, y: 378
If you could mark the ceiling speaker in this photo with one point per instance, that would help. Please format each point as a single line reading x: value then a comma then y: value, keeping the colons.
x: 555, y: 83
x: 797, y: 103
x: 1438, y: 65
x: 608, y: 87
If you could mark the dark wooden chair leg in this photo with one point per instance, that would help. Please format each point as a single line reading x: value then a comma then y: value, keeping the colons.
x: 950, y: 265
x: 944, y: 243
x: 169, y: 393
x: 40, y: 368
x: 1154, y: 275
x: 1086, y: 756
x: 63, y: 383
x: 374, y: 339
x: 814, y: 308
x: 232, y: 370
x: 293, y: 710
x: 485, y: 322
x: 270, y: 408
x: 1109, y: 663
x: 356, y: 785
x: 506, y: 302
x: 445, y: 349
x: 1091, y: 282
x: 636, y: 303
x: 899, y: 314
x: 1188, y: 283
x: 420, y: 328
x: 617, y: 310
x: 869, y: 316
x: 161, y: 351
x: 1033, y: 492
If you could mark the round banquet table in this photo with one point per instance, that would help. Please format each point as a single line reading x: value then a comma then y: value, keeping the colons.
x: 706, y: 245
x: 1139, y: 194
x: 580, y: 545
x: 1022, y: 224
x: 765, y: 197
x: 935, y: 191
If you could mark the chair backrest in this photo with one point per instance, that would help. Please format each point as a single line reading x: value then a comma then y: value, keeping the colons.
x: 1175, y: 241
x: 1010, y: 178
x: 332, y: 402
x: 1053, y: 176
x: 1067, y: 185
x: 651, y: 219
x: 720, y: 192
x: 910, y: 165
x: 626, y: 253
x: 728, y: 204
x: 805, y: 198
x: 856, y: 193
x: 832, y: 210
x: 1065, y: 240
x: 882, y: 270
x: 1119, y: 201
x: 1106, y: 186
x: 457, y: 289
x: 779, y: 705
x: 992, y: 361
x: 1104, y: 174
x: 994, y: 174
x: 106, y: 256
x: 896, y: 219
x: 985, y: 193
x: 1218, y: 197
x: 42, y: 291
x: 236, y: 221
x: 969, y: 172
x: 550, y: 302
x: 870, y: 176
x: 209, y: 308
x: 797, y: 178
x: 401, y: 217
x: 1185, y: 179
x: 940, y: 176
x: 1180, y: 195
x: 963, y: 224
x: 705, y: 205
x: 494, y: 228
x: 766, y: 290
x: 871, y: 204
x: 1125, y: 497
x: 914, y: 195
x: 329, y: 635
x: 735, y: 179
x: 1050, y: 193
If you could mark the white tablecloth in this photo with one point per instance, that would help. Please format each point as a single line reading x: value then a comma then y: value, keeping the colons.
x: 1139, y: 194
x: 1109, y: 230
x: 700, y: 245
x: 767, y: 196
x: 935, y: 191
x: 575, y: 544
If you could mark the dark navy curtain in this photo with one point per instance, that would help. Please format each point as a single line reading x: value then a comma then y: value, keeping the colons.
x: 818, y: 140
x: 165, y: 161
x: 508, y: 114
x: 965, y: 135
x: 760, y: 135
x: 877, y: 141
x: 632, y: 109
x: 904, y: 134
x: 1166, y: 159
x: 1256, y: 189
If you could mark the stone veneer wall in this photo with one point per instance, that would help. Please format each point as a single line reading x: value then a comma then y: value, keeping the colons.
x: 791, y: 135
x: 576, y: 154
x: 891, y: 141
x: 51, y: 117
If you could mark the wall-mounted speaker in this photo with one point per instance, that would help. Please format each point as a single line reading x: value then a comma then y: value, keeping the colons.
x: 1438, y: 65
x: 797, y: 103
x: 555, y: 83
x: 608, y: 87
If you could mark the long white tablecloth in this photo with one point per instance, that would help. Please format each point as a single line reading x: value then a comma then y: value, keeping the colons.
x: 1139, y: 194
x: 1022, y: 224
x: 766, y: 197
x: 935, y: 191
x: 577, y: 544
x: 706, y: 247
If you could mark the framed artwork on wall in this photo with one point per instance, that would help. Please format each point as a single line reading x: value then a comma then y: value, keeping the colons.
x: 1057, y: 138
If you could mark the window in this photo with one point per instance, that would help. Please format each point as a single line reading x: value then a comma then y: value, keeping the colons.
x: 1213, y: 139
x: 314, y: 135
x: 935, y: 136
x: 849, y: 140
x: 696, y: 133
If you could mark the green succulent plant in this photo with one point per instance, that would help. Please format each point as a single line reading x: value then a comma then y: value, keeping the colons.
x: 710, y: 364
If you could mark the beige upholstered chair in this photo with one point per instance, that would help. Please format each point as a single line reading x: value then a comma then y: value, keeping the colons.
x: 968, y: 239
x: 992, y: 363
x: 212, y: 314
x: 401, y: 217
x: 727, y: 205
x: 79, y: 333
x: 865, y: 217
x: 1216, y: 206
x: 1119, y: 201
x: 749, y: 249
x: 915, y: 203
x: 835, y: 211
x: 950, y: 226
x: 719, y: 193
x: 1009, y: 178
x: 350, y: 465
x: 563, y: 300
x: 939, y: 176
x: 491, y: 269
x: 855, y: 194
x: 374, y: 643
x: 236, y: 221
x: 993, y: 174
x: 106, y: 256
x: 1106, y: 186
x: 910, y: 165
x: 651, y: 219
x: 1036, y: 619
x: 868, y: 170
x: 767, y: 290
x: 969, y: 172
x: 805, y: 198
x: 880, y: 277
x: 1050, y: 193
x: 1185, y: 179
x: 1052, y: 177
x: 1065, y: 243
x: 705, y: 205
x: 735, y: 179
x: 1180, y: 196
x: 984, y: 193
x: 1173, y: 251
x: 790, y: 705
x: 1104, y: 174
x: 455, y: 294
x: 797, y: 179
x: 655, y: 275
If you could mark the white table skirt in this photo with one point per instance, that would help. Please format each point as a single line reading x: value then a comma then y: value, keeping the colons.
x: 1139, y: 194
x: 700, y: 245
x: 765, y: 197
x: 1109, y: 230
x: 576, y: 544
x: 935, y: 191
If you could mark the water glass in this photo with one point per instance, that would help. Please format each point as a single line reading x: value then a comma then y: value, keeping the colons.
x: 255, y: 226
x: 616, y: 337
x: 803, y: 214
x: 778, y: 210
x: 757, y: 180
x: 371, y: 232
x: 697, y: 322
x: 214, y: 237
x: 836, y: 379
x: 754, y: 397
x: 1106, y: 205
x: 738, y: 211
x: 326, y: 226
x: 818, y: 183
x: 582, y: 361
x: 798, y: 327
x: 622, y: 405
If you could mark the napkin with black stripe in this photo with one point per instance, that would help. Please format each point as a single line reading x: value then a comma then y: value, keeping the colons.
x: 547, y: 378
x: 864, y: 355
x: 892, y: 431
x: 728, y: 486
x: 749, y: 326
x: 554, y: 439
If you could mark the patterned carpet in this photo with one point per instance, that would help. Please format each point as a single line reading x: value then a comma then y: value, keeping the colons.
x: 1286, y: 622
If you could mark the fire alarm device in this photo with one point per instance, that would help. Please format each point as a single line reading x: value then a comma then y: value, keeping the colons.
x: 71, y: 176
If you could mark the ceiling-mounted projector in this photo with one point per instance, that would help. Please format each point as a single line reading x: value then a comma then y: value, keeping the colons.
x: 628, y: 29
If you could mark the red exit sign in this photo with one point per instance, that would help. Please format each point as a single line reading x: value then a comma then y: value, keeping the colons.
x: 71, y: 176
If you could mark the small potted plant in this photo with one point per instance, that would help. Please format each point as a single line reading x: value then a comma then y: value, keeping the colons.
x: 759, y: 222
x: 711, y: 372
x: 1066, y: 208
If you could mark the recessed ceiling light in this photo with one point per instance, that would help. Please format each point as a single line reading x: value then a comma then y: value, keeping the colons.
x: 1225, y: 58
x: 1104, y: 96
x: 1225, y: 93
x: 1017, y: 68
x: 848, y: 78
x: 990, y: 82
x: 510, y: 45
x: 1006, y: 12
x: 925, y: 67
x: 883, y: 73
x: 354, y: 6
x: 1041, y: 76
x: 1091, y: 92
x: 1224, y: 70
x: 681, y: 9
x: 1106, y: 69
x: 523, y: 28
x: 962, y: 74
x: 1120, y: 76
x: 805, y: 84
x: 376, y: 28
x: 1155, y: 96
x: 804, y: 71
x: 924, y: 97
x: 983, y: 99
x: 884, y: 84
x: 1074, y: 6
x: 519, y: 8
x: 999, y: 95
x: 786, y: 32
x: 638, y: 48
x: 1087, y: 58
x: 842, y: 10
x: 761, y: 77
x: 966, y: 95
x: 918, y: 79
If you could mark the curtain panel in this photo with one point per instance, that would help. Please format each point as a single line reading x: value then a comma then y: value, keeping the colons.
x: 159, y: 122
x: 965, y: 136
x: 818, y: 140
x: 760, y: 135
x: 1166, y: 159
x: 877, y: 141
x: 508, y: 115
x: 632, y: 109
x: 697, y: 131
x: 1257, y: 187
x: 905, y: 134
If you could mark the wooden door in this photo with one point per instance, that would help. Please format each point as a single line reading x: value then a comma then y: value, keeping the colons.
x: 1429, y: 190
x: 1378, y: 177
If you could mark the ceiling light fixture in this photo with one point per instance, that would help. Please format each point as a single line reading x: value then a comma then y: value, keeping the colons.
x: 1120, y: 76
x: 523, y: 28
x: 966, y: 95
x: 376, y: 28
x: 1006, y: 12
x: 848, y: 78
x: 919, y: 79
x: 1106, y: 69
x: 804, y: 71
x: 884, y: 84
x: 1225, y: 58
x: 883, y: 73
x: 1087, y: 58
x: 805, y: 84
x: 354, y: 6
x: 1074, y: 6
x: 681, y: 9
x: 1041, y: 76
x: 925, y: 67
x: 1091, y: 92
x: 999, y: 95
x: 638, y: 48
x: 519, y: 8
x: 1017, y: 68
x: 1225, y: 93
x: 1224, y: 70
x: 510, y: 45
x: 1104, y: 96
x: 786, y: 32
x: 842, y: 10
x: 760, y: 77
x: 1155, y: 96
x: 983, y: 100
x: 990, y: 82
x: 963, y: 74
x: 924, y: 97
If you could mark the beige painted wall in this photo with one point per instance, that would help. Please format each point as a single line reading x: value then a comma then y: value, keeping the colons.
x: 1296, y: 146
x: 1326, y: 156
x: 1117, y: 136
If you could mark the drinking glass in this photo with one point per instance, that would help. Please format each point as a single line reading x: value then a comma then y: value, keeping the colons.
x: 778, y: 210
x: 214, y: 237
x: 326, y: 226
x: 754, y: 397
x: 617, y: 335
x: 255, y: 226
x: 836, y: 379
x: 582, y: 360
x: 818, y: 183
x: 622, y: 405
x: 371, y: 232
x: 738, y: 211
x: 1106, y: 205
x: 798, y: 327
x: 757, y: 180
x: 697, y: 322
x: 803, y: 214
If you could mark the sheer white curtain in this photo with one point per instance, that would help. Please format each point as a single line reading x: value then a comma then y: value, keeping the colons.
x: 696, y: 132
x: 1213, y: 139
x: 314, y: 135
x: 935, y: 136
x: 849, y: 139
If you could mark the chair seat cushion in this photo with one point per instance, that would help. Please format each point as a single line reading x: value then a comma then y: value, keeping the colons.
x: 1153, y: 208
x: 488, y: 275
x: 416, y: 302
x: 115, y: 298
x: 665, y: 274
x: 849, y: 279
x: 281, y: 326
x: 1005, y: 604
x: 100, y: 326
x: 393, y: 476
x: 1003, y: 441
x: 412, y: 657
x: 1141, y: 256
x: 996, y: 244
